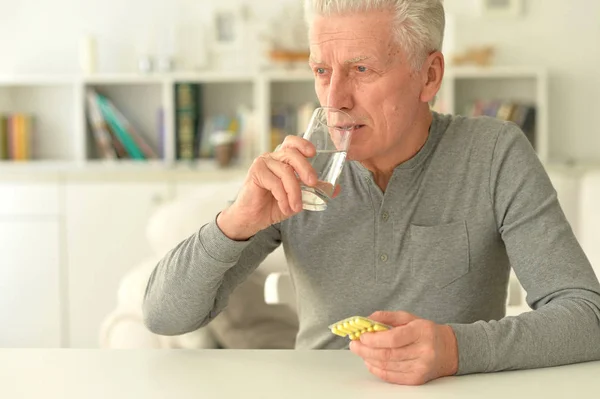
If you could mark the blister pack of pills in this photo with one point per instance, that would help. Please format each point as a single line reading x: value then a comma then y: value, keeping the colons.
x: 353, y: 327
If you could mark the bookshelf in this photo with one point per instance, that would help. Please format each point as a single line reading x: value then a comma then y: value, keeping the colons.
x: 63, y: 135
x: 527, y: 86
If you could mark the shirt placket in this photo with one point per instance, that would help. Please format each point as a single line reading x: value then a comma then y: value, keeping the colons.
x: 383, y: 230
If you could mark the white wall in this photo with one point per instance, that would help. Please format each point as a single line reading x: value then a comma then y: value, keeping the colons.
x: 43, y: 35
x: 564, y: 36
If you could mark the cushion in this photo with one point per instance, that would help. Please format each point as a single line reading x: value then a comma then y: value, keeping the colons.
x: 249, y: 323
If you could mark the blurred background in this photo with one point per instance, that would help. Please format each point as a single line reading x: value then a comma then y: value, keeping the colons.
x: 126, y: 125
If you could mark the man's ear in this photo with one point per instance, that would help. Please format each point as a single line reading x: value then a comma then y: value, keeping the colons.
x: 432, y: 74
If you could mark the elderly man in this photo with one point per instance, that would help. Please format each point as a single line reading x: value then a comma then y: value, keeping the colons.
x: 432, y: 212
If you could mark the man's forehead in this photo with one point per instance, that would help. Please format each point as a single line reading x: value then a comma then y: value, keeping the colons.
x: 354, y: 59
x: 349, y: 47
x: 349, y: 52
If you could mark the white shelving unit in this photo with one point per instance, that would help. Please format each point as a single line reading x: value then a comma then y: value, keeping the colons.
x: 62, y: 136
x: 462, y: 86
x: 91, y: 216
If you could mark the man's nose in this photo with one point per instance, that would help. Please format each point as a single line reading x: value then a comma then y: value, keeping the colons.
x: 340, y: 92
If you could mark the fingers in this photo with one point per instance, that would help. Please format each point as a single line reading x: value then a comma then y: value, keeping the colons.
x: 337, y: 191
x: 403, y: 366
x: 409, y: 365
x: 384, y: 357
x: 396, y: 318
x: 397, y: 337
x: 286, y: 175
x: 267, y: 179
x: 406, y: 377
x: 279, y: 172
x: 297, y: 160
x: 305, y: 147
x: 286, y: 165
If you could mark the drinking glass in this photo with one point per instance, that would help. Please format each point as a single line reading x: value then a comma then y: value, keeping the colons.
x: 330, y: 131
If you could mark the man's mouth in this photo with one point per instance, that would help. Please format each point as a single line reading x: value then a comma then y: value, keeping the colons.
x: 352, y: 128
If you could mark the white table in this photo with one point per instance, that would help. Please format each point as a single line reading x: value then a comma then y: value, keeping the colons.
x: 179, y: 374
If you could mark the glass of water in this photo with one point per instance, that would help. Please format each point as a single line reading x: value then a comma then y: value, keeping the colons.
x: 330, y: 131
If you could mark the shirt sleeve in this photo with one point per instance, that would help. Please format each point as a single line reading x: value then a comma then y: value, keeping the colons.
x: 190, y: 286
x: 562, y: 289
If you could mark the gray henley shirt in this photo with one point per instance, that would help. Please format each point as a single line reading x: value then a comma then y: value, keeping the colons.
x: 439, y: 243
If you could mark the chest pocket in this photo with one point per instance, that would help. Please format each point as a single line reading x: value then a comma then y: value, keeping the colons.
x: 439, y: 254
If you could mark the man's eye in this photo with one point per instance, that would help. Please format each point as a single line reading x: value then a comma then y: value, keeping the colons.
x: 320, y: 71
x: 361, y: 69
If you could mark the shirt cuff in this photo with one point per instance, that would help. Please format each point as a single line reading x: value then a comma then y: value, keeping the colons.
x: 474, y: 349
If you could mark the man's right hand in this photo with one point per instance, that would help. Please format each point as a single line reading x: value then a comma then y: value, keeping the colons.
x: 271, y: 191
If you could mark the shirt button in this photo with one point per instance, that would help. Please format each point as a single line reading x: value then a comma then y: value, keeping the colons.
x: 383, y: 258
x: 385, y: 216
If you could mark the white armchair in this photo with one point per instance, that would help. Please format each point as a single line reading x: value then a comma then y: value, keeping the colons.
x: 174, y: 221
x: 171, y: 223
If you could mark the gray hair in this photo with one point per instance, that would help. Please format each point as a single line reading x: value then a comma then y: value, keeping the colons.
x: 418, y: 24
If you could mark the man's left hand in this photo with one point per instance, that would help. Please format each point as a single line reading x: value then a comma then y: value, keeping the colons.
x: 413, y: 352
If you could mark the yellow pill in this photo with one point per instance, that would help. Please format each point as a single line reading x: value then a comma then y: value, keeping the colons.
x: 362, y: 323
x: 370, y: 329
x: 347, y: 326
x: 377, y: 327
x: 342, y: 329
x: 350, y: 331
x: 337, y: 332
x: 354, y: 326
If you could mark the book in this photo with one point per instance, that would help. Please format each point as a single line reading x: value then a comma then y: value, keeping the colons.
x: 148, y: 152
x: 131, y: 147
x: 160, y: 121
x: 3, y: 137
x: 103, y: 138
x: 520, y: 113
x: 188, y: 119
x: 115, y: 135
x: 19, y: 137
x: 27, y: 126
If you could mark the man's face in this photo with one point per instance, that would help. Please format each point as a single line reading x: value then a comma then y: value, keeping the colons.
x: 360, y: 69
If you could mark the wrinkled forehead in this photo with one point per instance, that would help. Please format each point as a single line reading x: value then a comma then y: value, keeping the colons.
x: 355, y: 36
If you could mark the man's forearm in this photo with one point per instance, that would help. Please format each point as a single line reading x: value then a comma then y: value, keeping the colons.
x: 564, y: 331
x: 184, y: 288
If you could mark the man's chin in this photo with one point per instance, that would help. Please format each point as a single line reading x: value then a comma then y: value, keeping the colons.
x: 354, y: 155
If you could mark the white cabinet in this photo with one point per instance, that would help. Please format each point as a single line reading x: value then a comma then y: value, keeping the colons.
x: 29, y: 284
x: 106, y: 232
x: 589, y: 221
x: 29, y: 199
x: 30, y: 266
